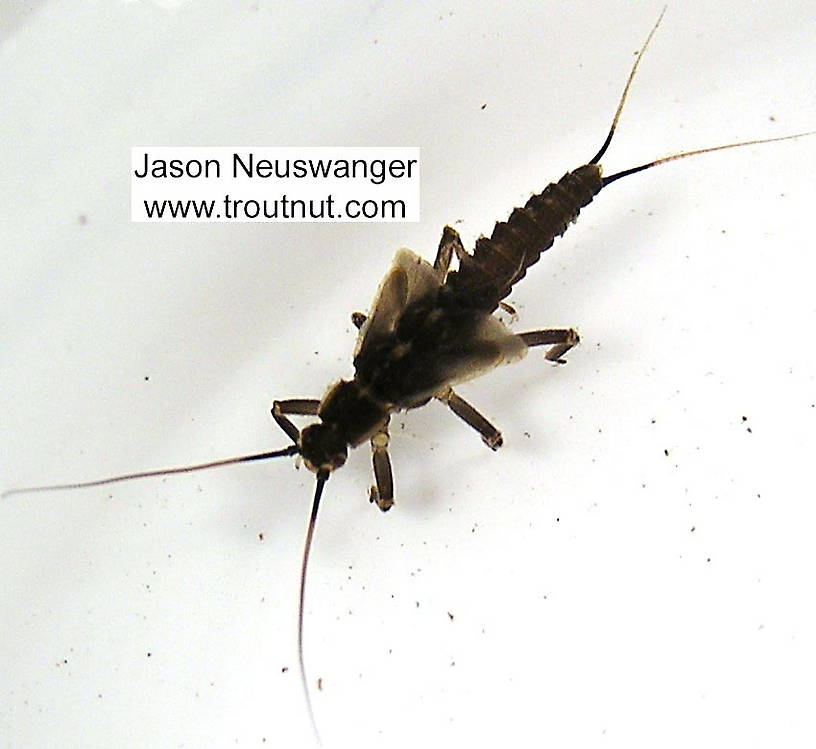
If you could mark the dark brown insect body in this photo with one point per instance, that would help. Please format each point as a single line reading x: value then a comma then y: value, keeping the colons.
x: 499, y: 262
x: 429, y: 328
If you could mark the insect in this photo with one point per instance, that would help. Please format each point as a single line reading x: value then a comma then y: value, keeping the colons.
x: 431, y: 327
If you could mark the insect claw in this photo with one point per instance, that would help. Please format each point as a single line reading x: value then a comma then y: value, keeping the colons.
x: 494, y: 441
x: 510, y: 310
x: 556, y: 353
x: 374, y: 497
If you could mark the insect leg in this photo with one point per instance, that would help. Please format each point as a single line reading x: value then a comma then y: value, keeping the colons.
x: 490, y: 435
x: 510, y: 310
x: 562, y: 338
x: 448, y: 245
x: 383, y: 492
x: 293, y: 407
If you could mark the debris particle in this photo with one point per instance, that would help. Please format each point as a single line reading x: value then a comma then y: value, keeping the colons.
x: 450, y: 616
x: 320, y: 684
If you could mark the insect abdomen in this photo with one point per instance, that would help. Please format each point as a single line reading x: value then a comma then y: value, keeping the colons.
x: 486, y: 277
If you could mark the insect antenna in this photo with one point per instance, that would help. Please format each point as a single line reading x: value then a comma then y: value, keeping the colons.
x: 322, y: 477
x: 291, y: 450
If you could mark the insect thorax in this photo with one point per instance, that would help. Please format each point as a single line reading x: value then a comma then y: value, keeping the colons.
x: 349, y: 415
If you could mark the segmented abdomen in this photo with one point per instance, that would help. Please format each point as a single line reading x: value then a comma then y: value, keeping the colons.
x: 486, y: 277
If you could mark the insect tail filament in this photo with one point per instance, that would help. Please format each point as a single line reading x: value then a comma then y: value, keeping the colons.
x: 696, y: 152
x: 598, y: 156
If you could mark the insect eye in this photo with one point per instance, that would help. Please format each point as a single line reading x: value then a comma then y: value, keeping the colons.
x: 322, y: 448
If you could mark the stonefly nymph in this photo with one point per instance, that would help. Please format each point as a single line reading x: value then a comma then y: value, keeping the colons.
x: 429, y: 328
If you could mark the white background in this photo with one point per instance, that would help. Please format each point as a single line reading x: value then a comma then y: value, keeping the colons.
x: 602, y: 592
